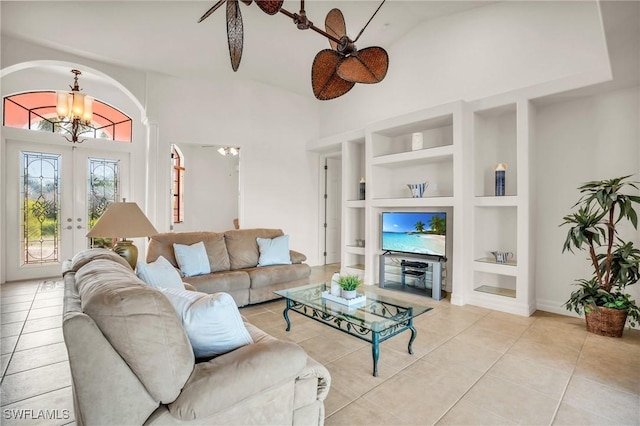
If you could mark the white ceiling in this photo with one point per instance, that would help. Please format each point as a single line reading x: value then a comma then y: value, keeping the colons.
x: 164, y: 36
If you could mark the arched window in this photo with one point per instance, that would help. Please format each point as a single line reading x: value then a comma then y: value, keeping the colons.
x: 177, y: 188
x: 37, y: 111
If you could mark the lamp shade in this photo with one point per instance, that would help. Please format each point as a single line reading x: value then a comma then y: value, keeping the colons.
x: 122, y: 220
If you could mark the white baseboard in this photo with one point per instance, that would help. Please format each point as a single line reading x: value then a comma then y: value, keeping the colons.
x: 554, y: 307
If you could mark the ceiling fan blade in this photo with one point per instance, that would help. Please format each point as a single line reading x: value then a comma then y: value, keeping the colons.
x: 210, y: 11
x: 367, y: 66
x: 270, y: 7
x: 335, y: 26
x: 325, y: 82
x: 247, y: 2
x: 234, y: 33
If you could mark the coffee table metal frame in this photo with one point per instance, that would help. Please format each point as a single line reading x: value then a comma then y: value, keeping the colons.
x: 388, y: 317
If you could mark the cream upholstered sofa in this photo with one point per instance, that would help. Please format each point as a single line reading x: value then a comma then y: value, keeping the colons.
x: 131, y: 361
x: 233, y: 257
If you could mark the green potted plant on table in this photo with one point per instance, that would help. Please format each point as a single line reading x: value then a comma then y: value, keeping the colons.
x: 602, y: 208
x: 349, y: 284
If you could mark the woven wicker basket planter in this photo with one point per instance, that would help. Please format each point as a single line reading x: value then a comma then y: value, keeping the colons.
x: 606, y: 321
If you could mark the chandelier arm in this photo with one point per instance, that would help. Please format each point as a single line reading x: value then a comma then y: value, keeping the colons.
x: 210, y: 11
x: 370, y: 19
x: 295, y: 16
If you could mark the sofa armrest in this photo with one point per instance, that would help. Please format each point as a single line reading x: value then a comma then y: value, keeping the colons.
x: 319, y: 374
x: 297, y: 257
x: 230, y: 378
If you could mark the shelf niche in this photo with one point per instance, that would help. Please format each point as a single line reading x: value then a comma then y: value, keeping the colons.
x: 495, y: 230
x: 495, y: 142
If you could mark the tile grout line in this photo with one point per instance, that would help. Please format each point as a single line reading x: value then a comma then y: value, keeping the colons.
x: 13, y: 351
x: 410, y: 364
x: 37, y: 395
x: 566, y: 386
x: 483, y: 375
x: 402, y: 369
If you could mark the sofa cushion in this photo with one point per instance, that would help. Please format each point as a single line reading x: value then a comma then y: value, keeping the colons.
x: 226, y: 281
x: 268, y: 276
x: 192, y: 259
x: 214, y: 243
x: 243, y: 246
x: 159, y: 274
x: 140, y: 323
x: 274, y: 251
x: 212, y: 321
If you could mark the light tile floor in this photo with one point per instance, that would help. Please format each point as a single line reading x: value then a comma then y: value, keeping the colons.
x: 471, y: 366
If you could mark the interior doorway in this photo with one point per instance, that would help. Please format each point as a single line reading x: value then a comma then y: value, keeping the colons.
x: 209, y: 186
x: 331, y: 190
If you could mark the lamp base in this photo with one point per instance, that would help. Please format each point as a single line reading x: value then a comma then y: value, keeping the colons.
x: 128, y: 250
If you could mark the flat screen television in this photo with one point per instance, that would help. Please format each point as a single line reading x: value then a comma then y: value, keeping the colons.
x: 415, y: 233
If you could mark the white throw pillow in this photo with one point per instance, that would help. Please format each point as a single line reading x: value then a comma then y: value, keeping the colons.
x: 212, y: 321
x: 159, y: 274
x: 193, y: 259
x: 274, y: 251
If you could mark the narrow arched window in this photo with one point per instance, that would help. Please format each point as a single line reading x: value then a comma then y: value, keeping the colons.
x: 177, y: 187
x: 37, y: 111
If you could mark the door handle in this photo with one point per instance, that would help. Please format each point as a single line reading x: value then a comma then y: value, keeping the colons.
x: 80, y: 227
x: 69, y: 227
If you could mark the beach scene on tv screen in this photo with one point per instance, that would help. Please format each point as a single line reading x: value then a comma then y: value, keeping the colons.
x: 422, y: 233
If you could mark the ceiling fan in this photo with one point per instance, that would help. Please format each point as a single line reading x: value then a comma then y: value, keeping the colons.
x: 334, y: 71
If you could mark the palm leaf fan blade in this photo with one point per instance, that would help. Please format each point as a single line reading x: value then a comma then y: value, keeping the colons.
x: 325, y: 81
x: 335, y: 26
x: 211, y: 10
x: 367, y: 66
x: 234, y: 33
x: 270, y: 7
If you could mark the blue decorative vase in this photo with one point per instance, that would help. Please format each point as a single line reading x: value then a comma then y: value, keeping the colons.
x: 500, y: 179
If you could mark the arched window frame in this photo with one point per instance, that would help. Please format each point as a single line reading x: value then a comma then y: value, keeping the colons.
x: 177, y: 184
x: 120, y: 130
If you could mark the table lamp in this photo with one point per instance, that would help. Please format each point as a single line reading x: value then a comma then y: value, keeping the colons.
x: 122, y: 220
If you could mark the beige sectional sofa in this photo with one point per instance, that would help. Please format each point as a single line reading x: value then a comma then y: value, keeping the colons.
x: 132, y: 363
x: 233, y: 257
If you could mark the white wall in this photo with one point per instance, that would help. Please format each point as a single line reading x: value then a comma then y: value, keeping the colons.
x: 279, y: 178
x: 211, y: 195
x: 474, y: 54
x: 578, y: 141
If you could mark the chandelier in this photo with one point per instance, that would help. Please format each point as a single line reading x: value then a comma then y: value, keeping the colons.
x: 228, y: 151
x: 74, y: 109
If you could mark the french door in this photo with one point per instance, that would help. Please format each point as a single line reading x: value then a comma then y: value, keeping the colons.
x: 54, y: 195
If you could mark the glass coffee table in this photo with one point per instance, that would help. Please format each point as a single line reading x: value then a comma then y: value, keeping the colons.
x: 374, y: 320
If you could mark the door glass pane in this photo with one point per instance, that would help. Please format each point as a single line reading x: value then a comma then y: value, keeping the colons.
x: 104, y: 185
x: 40, y: 208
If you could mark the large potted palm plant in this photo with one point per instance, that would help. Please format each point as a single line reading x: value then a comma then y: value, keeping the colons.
x: 602, y: 208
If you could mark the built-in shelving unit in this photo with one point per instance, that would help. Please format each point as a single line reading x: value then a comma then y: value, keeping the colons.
x: 461, y: 145
x: 500, y: 223
x: 394, y: 161
x: 353, y: 214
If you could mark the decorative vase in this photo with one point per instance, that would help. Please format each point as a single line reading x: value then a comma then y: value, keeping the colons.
x: 606, y: 321
x: 336, y: 290
x: 417, y: 189
x: 349, y: 294
x: 500, y: 179
x: 416, y: 141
